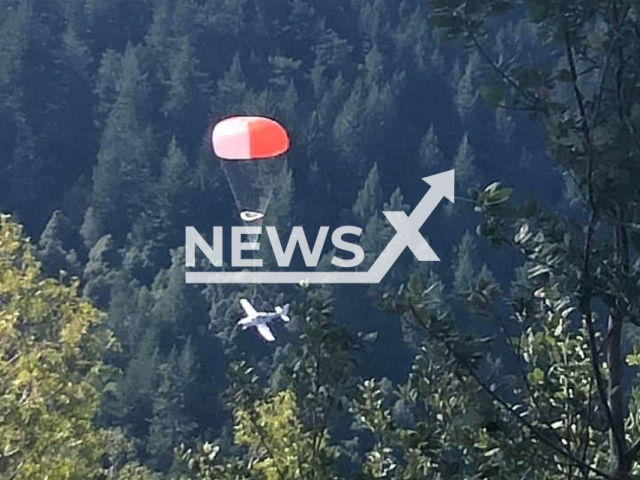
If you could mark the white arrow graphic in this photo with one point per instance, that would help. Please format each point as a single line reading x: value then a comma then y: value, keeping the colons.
x: 408, y: 235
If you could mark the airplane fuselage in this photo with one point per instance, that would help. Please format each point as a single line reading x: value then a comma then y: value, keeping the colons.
x: 261, y: 318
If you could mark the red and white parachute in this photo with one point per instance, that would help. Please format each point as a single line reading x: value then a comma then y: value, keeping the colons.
x: 251, y: 150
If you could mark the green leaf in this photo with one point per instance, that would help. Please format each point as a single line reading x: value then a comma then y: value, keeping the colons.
x: 538, y: 270
x: 633, y: 360
x: 492, y: 452
x: 499, y: 196
x: 537, y: 376
x: 492, y: 187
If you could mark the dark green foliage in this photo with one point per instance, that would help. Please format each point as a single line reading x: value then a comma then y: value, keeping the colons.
x: 127, y: 147
x: 54, y: 247
x: 431, y: 157
x: 179, y: 309
x: 100, y: 271
x: 170, y: 424
x: 369, y: 197
x: 105, y: 116
x: 132, y: 405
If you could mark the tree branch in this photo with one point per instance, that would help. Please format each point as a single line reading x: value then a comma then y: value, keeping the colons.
x: 523, y: 374
x: 501, y: 73
x: 560, y: 449
x: 265, y: 444
x: 618, y: 442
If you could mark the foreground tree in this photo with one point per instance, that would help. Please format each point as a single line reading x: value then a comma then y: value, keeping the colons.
x: 289, y: 429
x: 51, y: 374
x: 569, y: 392
x: 49, y: 370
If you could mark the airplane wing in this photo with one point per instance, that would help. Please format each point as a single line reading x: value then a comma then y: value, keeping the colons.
x: 265, y: 332
x: 248, y: 309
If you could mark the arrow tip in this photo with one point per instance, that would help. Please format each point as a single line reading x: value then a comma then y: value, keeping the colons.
x: 444, y: 182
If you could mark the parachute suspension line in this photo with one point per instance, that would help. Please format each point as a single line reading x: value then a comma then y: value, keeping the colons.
x: 255, y: 284
x: 254, y: 294
x: 251, y: 150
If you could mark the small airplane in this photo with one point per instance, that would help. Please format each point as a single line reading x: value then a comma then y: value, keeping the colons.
x: 260, y: 320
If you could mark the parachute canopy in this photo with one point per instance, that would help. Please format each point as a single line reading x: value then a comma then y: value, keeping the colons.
x: 244, y: 138
x: 251, y: 151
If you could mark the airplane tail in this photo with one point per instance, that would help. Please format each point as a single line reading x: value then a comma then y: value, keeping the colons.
x: 283, y: 312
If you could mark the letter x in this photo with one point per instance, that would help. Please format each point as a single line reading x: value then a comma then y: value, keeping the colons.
x: 409, y: 236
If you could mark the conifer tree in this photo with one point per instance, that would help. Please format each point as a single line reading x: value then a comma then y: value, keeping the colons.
x: 139, y: 381
x: 128, y: 315
x: 348, y: 129
x: 465, y: 264
x: 369, y: 197
x: 54, y: 247
x: 170, y: 208
x: 306, y: 26
x: 99, y: 271
x: 464, y: 163
x: 159, y: 33
x: 123, y: 172
x: 466, y: 172
x: 431, y: 157
x: 466, y: 94
x: 186, y: 98
x: 377, y: 234
x: 281, y: 215
x: 374, y: 65
x: 106, y: 83
x: 180, y: 310
x: 232, y: 87
x: 170, y: 424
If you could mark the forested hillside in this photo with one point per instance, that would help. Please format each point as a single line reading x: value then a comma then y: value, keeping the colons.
x: 513, y: 357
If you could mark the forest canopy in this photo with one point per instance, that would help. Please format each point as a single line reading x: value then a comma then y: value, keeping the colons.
x: 513, y: 357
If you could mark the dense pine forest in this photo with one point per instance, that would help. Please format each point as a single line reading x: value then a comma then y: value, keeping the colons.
x: 513, y: 357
